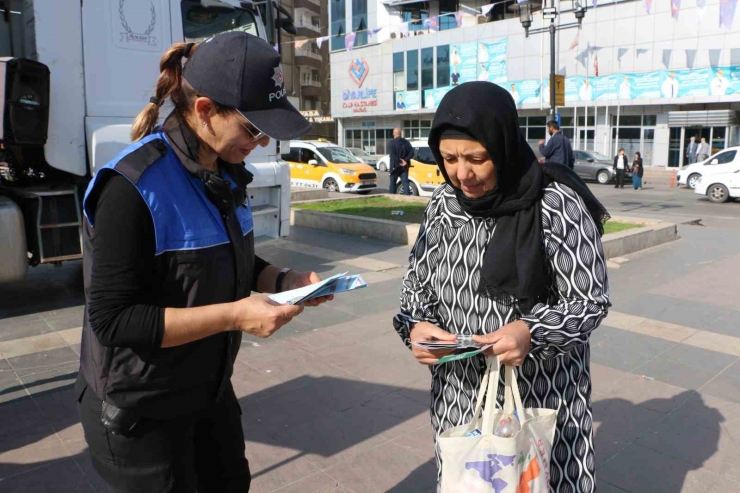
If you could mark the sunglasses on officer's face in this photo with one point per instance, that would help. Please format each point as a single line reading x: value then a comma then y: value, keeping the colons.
x: 255, y: 136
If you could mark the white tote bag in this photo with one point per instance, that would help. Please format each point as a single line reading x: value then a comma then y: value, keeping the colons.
x: 493, y: 464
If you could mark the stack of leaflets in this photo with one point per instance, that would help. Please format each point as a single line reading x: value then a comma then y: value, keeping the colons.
x: 333, y: 285
x: 463, y: 347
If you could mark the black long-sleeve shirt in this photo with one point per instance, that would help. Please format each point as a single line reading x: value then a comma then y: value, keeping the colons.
x: 398, y: 149
x: 126, y: 275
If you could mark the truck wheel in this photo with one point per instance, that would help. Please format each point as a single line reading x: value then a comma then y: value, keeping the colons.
x: 330, y: 185
x: 691, y: 182
x: 602, y: 177
x: 718, y: 193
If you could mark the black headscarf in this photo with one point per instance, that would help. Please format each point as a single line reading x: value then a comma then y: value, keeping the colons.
x: 514, y: 261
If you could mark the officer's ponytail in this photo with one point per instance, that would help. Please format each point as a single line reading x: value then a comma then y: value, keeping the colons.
x: 169, y: 84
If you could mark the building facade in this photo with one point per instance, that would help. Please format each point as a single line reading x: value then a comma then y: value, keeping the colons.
x: 306, y: 68
x: 640, y: 81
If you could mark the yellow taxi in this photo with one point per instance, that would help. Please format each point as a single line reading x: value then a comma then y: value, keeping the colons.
x: 424, y: 174
x: 318, y: 164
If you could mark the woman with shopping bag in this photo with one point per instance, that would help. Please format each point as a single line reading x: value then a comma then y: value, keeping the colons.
x: 509, y: 252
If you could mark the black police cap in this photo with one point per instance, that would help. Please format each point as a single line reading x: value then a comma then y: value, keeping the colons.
x: 241, y: 71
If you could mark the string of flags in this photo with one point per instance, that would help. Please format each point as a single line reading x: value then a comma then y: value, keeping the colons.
x: 382, y: 34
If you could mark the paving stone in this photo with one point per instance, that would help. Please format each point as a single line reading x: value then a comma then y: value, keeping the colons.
x: 700, y: 446
x: 26, y: 450
x: 650, y: 394
x: 385, y: 469
x: 674, y: 373
x: 699, y: 358
x: 617, y: 424
x: 725, y: 387
x: 33, y: 327
x: 733, y: 370
x: 19, y: 415
x: 39, y: 362
x: 60, y: 477
x: 716, y: 342
x: 638, y: 469
x: 316, y: 483
x: 617, y: 358
x: 273, y: 465
x: 11, y: 389
x: 604, y: 487
x: 30, y: 345
x: 604, y: 379
x: 60, y: 377
x: 65, y: 322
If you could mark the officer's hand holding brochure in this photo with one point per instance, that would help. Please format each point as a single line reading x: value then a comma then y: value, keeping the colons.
x: 333, y: 285
x: 464, y: 347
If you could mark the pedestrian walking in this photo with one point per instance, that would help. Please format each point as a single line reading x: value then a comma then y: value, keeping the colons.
x: 519, y: 225
x: 702, y: 152
x: 637, y: 171
x: 691, y: 150
x: 620, y: 167
x: 400, y: 152
x: 558, y: 148
x: 169, y: 264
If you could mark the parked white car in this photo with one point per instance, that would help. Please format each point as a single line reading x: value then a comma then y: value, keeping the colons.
x: 364, y: 156
x: 384, y: 163
x: 725, y: 161
x: 719, y: 187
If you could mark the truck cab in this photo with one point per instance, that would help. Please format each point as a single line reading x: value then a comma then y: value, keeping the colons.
x: 103, y: 62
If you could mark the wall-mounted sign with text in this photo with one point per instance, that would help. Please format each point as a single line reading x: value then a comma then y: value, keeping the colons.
x: 359, y: 101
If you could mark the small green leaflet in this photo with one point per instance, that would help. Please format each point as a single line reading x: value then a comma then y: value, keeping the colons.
x: 459, y: 356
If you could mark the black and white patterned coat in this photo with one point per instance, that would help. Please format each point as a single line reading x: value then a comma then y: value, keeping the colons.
x: 441, y: 287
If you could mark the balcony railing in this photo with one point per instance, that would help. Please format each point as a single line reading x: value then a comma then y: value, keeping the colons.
x: 308, y: 25
x: 309, y: 54
x: 310, y: 83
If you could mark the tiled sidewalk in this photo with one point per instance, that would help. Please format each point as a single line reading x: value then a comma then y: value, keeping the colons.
x: 335, y: 403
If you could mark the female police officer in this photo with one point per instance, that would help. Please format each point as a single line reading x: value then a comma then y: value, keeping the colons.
x: 169, y: 264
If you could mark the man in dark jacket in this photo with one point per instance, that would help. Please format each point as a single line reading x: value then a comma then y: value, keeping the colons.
x: 401, y: 152
x: 558, y: 149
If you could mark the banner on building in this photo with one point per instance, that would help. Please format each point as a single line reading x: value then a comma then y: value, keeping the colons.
x: 646, y: 85
x: 523, y: 92
x: 432, y: 97
x: 407, y: 100
x: 492, y: 61
x: 692, y: 82
x: 573, y: 90
x: 463, y: 63
x: 605, y: 88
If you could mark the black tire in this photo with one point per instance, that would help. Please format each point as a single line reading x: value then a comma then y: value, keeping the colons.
x: 412, y: 188
x: 718, y: 193
x: 331, y: 185
x: 603, y: 177
x: 691, y: 180
x: 382, y: 166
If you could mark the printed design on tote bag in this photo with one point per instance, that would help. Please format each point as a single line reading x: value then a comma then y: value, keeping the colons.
x: 487, y: 469
x: 530, y: 474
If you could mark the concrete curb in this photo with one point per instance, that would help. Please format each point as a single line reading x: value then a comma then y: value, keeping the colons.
x: 653, y: 233
x: 305, y: 194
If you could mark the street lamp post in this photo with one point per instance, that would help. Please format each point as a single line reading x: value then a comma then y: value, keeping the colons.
x: 551, y: 13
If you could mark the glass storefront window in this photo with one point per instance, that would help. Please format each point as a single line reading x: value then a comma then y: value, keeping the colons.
x: 537, y: 120
x: 582, y: 120
x: 630, y: 120
x: 415, y: 14
x: 718, y: 138
x: 412, y: 70
x: 674, y: 147
x: 649, y: 120
x: 399, y: 72
x: 338, y: 8
x: 443, y: 66
x: 648, y: 141
x: 359, y: 21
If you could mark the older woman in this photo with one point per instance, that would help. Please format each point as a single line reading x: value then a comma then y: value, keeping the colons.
x: 509, y: 252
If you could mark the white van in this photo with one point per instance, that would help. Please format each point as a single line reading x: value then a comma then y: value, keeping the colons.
x: 725, y: 161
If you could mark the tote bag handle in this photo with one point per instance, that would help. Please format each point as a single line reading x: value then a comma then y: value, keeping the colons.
x: 488, y: 390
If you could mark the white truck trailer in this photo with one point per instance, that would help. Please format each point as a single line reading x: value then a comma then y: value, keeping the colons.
x: 101, y: 59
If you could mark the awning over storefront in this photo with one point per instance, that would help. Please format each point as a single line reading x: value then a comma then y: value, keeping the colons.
x: 712, y: 118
